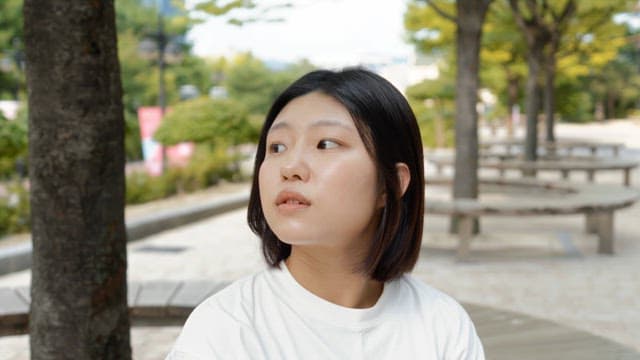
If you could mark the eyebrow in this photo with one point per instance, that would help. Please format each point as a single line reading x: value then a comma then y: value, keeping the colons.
x: 317, y: 123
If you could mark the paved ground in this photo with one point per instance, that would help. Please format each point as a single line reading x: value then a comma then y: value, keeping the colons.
x: 545, y: 267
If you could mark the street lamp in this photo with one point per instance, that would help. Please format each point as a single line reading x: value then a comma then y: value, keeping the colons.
x: 166, y: 50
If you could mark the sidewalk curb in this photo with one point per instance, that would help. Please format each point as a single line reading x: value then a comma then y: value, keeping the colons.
x: 18, y: 257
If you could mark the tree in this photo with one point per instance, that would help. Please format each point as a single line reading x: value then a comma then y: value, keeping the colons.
x: 76, y: 127
x: 249, y: 81
x: 11, y: 51
x: 556, y: 32
x: 433, y: 103
x: 469, y: 18
x: 13, y: 144
x: 502, y: 57
x: 139, y: 71
x: 219, y: 122
x: 541, y: 25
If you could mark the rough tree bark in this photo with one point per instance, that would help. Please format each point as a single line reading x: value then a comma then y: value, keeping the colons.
x: 79, y: 292
x: 470, y: 15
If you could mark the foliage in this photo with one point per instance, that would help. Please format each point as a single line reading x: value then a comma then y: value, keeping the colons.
x: 249, y: 81
x: 13, y: 143
x: 206, y: 168
x: 433, y: 103
x: 14, y: 209
x: 589, y: 45
x: 139, y: 71
x: 617, y: 85
x: 428, y: 121
x: 216, y: 122
x: 429, y: 31
x: 260, y: 11
x: 576, y: 104
x: 11, y: 49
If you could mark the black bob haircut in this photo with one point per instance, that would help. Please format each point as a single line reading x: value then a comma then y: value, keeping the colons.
x: 390, y: 133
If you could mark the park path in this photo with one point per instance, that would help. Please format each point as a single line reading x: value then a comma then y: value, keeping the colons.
x: 545, y: 267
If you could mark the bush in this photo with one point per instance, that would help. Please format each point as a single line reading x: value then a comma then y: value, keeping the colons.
x: 13, y: 143
x: 219, y: 122
x: 428, y: 122
x: 15, y: 210
x: 206, y: 168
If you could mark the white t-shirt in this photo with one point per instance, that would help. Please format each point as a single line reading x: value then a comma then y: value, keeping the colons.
x: 270, y: 316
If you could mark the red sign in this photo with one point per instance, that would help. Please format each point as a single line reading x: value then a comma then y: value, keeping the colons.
x: 150, y: 118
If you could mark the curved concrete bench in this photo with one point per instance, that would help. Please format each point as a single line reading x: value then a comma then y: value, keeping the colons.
x: 18, y: 257
x: 590, y: 167
x: 166, y: 303
x: 597, y: 202
x: 505, y: 334
x: 552, y: 147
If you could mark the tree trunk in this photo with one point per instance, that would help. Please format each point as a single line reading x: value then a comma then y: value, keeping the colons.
x: 79, y: 291
x: 599, y: 111
x: 513, y: 86
x: 439, y: 126
x: 535, y: 60
x: 611, y: 106
x: 549, y: 98
x: 471, y: 15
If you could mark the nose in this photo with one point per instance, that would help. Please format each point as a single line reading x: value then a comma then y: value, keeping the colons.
x: 295, y: 169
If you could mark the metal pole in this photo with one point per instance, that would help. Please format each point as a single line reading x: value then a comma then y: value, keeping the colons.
x: 162, y: 42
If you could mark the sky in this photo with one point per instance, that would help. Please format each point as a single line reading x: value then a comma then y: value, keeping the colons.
x: 326, y: 32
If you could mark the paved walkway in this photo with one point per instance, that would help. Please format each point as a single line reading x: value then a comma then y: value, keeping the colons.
x: 544, y: 267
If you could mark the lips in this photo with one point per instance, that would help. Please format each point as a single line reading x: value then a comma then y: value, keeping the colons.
x: 291, y: 200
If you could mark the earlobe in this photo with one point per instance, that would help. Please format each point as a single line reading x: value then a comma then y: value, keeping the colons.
x: 404, y: 177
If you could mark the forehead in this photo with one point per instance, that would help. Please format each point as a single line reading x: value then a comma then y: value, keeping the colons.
x: 313, y: 109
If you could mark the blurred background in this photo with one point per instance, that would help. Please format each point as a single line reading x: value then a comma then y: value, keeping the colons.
x: 198, y: 77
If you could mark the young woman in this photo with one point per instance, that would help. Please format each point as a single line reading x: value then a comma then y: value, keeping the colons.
x: 337, y: 200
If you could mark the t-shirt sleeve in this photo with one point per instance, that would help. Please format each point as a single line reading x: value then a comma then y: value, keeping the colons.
x: 212, y: 332
x: 463, y: 341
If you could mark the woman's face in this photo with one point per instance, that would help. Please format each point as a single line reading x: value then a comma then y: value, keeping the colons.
x: 318, y: 182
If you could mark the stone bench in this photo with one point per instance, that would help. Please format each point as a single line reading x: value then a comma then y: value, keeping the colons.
x: 568, y: 145
x: 564, y: 167
x: 166, y: 303
x: 504, y: 334
x: 597, y: 202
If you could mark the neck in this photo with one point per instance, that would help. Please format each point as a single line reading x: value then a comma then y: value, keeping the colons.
x: 333, y: 277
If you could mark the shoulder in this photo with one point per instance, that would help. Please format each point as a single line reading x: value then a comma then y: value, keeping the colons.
x: 446, y: 316
x: 428, y: 296
x: 221, y: 325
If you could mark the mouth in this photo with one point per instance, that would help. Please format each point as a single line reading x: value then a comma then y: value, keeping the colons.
x: 291, y: 200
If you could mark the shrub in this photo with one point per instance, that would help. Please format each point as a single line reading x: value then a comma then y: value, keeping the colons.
x: 15, y: 210
x: 206, y: 168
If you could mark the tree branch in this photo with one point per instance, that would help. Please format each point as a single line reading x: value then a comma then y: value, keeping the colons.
x: 602, y: 19
x: 568, y: 11
x: 535, y: 14
x: 441, y: 12
x: 515, y: 9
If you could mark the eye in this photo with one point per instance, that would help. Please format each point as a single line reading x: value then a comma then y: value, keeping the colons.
x: 276, y: 148
x: 327, y: 144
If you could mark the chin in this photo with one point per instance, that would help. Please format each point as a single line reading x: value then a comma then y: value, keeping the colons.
x: 295, y: 241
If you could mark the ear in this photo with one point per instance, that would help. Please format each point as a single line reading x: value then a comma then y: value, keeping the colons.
x: 404, y: 177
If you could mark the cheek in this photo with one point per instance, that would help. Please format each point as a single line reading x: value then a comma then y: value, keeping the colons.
x: 265, y: 182
x: 354, y: 186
